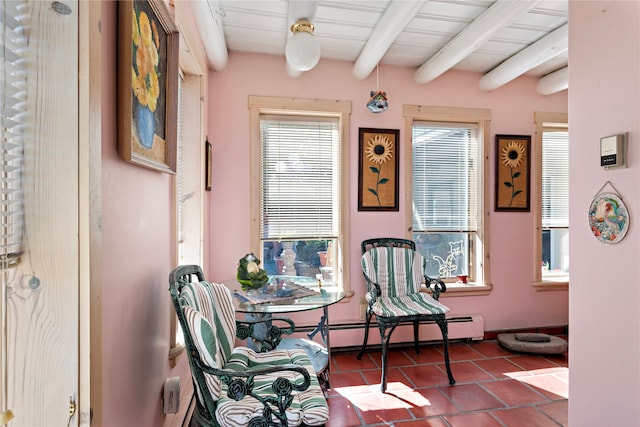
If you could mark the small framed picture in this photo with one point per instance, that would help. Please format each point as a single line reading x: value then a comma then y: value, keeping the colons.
x: 378, y: 172
x: 512, y: 172
x: 207, y: 156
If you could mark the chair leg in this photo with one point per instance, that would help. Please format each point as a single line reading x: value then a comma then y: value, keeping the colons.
x: 384, y: 341
x: 366, y: 334
x: 416, y: 326
x: 444, y: 328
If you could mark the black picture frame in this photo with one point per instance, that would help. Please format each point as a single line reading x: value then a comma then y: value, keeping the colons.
x: 378, y: 169
x: 513, y: 173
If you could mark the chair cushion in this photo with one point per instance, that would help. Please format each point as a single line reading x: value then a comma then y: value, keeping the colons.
x: 308, y: 407
x: 398, y: 271
x: 204, y: 337
x: 408, y: 305
x: 214, y: 302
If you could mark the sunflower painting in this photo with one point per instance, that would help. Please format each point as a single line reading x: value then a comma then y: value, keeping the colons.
x: 148, y: 75
x: 512, y: 172
x: 378, y: 172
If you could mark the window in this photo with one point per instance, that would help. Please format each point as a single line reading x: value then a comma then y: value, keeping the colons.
x: 188, y: 188
x: 301, y: 155
x: 189, y: 172
x: 552, y: 216
x: 447, y: 191
x: 189, y: 181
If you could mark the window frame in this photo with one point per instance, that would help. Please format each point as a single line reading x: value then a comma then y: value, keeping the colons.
x: 544, y: 120
x: 482, y: 118
x: 266, y: 105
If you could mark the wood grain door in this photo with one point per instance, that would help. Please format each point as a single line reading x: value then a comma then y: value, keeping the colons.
x: 42, y: 293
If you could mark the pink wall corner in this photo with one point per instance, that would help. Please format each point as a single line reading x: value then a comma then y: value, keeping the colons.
x: 513, y: 302
x: 604, y: 99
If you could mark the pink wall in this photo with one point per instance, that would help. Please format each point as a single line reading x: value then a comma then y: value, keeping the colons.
x: 513, y: 302
x: 604, y: 376
x: 137, y: 256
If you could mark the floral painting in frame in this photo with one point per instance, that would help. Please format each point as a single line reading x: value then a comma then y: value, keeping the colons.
x: 512, y: 172
x: 147, y: 84
x: 378, y: 173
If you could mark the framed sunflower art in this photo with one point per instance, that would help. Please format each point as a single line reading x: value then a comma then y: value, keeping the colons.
x: 378, y: 172
x: 512, y: 172
x: 147, y: 84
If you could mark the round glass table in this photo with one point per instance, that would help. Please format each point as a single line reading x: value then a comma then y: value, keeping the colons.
x: 306, y: 295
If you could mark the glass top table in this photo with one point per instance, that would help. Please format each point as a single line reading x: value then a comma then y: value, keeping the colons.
x: 326, y: 296
x: 319, y: 353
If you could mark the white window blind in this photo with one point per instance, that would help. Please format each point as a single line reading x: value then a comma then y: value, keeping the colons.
x: 555, y: 178
x: 189, y: 171
x: 181, y: 191
x: 13, y: 93
x: 445, y: 177
x: 301, y: 194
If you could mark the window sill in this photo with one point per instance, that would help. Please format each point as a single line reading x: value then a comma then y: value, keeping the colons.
x: 466, y: 289
x: 560, y: 284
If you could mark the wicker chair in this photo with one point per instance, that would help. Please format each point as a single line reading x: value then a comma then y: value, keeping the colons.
x: 394, y: 272
x: 236, y: 386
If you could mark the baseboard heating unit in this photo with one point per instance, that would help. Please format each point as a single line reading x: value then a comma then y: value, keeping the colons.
x: 468, y: 327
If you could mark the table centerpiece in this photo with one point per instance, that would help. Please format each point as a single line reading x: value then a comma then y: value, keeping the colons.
x: 249, y: 274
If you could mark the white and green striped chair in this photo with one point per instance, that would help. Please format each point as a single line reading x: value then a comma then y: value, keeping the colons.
x: 236, y: 386
x: 395, y: 273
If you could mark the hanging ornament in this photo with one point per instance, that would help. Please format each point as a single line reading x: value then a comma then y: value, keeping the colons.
x: 378, y: 102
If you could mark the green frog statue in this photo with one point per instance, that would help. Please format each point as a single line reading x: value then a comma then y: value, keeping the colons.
x: 250, y: 275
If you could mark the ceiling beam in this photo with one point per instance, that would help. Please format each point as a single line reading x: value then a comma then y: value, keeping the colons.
x: 554, y: 82
x: 501, y: 14
x: 394, y: 19
x: 209, y: 22
x: 553, y: 44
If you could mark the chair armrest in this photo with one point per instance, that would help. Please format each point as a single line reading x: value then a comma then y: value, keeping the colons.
x: 228, y: 375
x: 373, y: 288
x: 240, y: 384
x: 245, y: 329
x: 436, y: 286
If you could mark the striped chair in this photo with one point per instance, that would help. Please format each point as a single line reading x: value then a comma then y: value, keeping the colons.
x: 394, y: 273
x: 236, y: 386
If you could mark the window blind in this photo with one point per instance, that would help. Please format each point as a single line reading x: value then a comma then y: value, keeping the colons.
x: 301, y: 189
x: 555, y: 178
x: 445, y: 182
x: 189, y: 170
x: 13, y: 93
x: 181, y: 193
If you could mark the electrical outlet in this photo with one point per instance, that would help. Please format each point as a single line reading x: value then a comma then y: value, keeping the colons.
x: 172, y: 395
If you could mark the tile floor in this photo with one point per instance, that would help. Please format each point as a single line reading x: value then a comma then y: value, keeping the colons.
x: 494, y: 388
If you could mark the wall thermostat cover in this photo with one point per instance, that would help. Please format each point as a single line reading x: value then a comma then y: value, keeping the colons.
x: 612, y: 151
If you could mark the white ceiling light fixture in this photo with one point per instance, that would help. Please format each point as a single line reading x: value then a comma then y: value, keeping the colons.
x: 302, y: 50
x: 554, y: 82
x: 299, y: 10
x: 553, y: 44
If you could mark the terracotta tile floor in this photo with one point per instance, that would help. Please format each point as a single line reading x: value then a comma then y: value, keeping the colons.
x: 494, y: 388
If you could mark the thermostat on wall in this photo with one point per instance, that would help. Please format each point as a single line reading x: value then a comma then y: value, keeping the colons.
x: 612, y: 151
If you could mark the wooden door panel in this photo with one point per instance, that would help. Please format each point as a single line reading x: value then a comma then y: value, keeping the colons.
x: 42, y: 293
